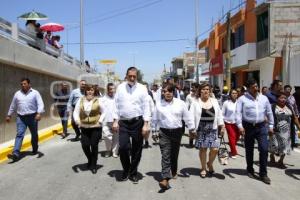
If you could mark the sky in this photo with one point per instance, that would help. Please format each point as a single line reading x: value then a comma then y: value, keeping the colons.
x: 108, y: 22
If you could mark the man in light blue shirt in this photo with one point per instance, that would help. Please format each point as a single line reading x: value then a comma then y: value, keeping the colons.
x: 75, y: 95
x: 28, y: 105
x: 251, y: 113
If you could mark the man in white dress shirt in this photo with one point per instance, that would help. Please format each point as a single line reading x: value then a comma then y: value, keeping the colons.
x: 131, y: 119
x: 111, y: 139
x: 28, y: 105
x: 169, y: 114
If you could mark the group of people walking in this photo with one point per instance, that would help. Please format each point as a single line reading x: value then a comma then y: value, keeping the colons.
x: 124, y: 114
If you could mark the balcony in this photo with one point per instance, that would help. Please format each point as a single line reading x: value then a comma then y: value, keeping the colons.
x: 241, y: 55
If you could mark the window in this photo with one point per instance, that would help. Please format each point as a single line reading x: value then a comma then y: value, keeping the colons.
x: 238, y: 38
x: 262, y: 26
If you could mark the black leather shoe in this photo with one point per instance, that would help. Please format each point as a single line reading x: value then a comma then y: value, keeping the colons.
x: 265, y: 179
x: 251, y: 175
x: 88, y: 165
x: 134, y: 179
x: 94, y: 170
x: 76, y: 138
x: 124, y: 176
x: 34, y: 152
x: 13, y: 157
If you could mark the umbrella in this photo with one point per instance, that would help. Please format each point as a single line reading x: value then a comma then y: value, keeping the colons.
x: 33, y: 16
x: 53, y: 27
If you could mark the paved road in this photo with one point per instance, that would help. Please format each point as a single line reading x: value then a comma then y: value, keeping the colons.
x: 59, y: 173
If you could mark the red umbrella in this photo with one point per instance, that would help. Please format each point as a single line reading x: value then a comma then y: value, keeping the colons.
x: 53, y: 27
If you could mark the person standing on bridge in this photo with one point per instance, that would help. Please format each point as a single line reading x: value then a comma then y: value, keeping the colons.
x: 111, y: 139
x: 74, y: 97
x: 131, y: 119
x: 169, y: 114
x: 251, y: 112
x: 28, y: 105
x: 88, y: 115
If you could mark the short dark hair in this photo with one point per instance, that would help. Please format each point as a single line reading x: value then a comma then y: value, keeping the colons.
x: 275, y: 82
x: 170, y: 87
x: 89, y: 87
x: 131, y: 69
x: 231, y: 91
x: 201, y: 86
x: 280, y: 94
x: 196, y: 85
x: 109, y: 85
x: 250, y: 82
x: 25, y: 79
x: 287, y: 86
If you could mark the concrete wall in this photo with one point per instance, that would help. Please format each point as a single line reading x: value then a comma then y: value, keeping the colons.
x: 284, y: 25
x: 18, y: 60
x: 10, y: 83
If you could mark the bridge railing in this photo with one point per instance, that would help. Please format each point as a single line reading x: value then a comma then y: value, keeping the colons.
x: 12, y: 31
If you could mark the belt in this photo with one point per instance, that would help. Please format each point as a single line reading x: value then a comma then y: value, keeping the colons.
x: 259, y: 124
x: 170, y: 130
x: 26, y: 115
x: 130, y: 120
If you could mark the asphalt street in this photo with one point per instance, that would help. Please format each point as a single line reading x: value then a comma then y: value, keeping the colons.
x: 59, y: 172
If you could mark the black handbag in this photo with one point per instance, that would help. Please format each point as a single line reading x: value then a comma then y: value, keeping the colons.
x: 223, y: 153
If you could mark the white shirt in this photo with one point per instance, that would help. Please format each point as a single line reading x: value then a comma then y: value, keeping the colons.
x: 108, y: 104
x: 87, y: 107
x: 26, y: 103
x: 170, y: 114
x: 189, y: 100
x: 228, y: 111
x: 131, y: 102
x: 151, y: 104
x: 196, y: 111
x: 156, y: 95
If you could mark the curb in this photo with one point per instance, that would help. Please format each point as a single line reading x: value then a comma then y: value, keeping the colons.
x: 44, y: 135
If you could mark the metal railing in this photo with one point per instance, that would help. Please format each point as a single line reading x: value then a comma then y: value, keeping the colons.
x: 13, y: 32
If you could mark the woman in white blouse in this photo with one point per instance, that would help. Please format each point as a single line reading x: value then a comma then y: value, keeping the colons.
x: 233, y: 133
x: 208, y: 120
x: 88, y: 116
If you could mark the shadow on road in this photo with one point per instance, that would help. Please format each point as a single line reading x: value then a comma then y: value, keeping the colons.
x: 275, y: 165
x: 229, y: 172
x: 83, y: 167
x: 155, y: 175
x: 292, y: 173
x: 187, y: 172
x: 24, y: 154
x: 117, y: 174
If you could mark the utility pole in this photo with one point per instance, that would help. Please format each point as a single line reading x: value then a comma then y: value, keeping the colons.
x: 81, y: 35
x: 196, y: 39
x: 228, y: 56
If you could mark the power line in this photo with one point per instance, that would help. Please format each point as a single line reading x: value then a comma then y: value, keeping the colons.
x: 223, y: 17
x: 116, y: 10
x: 120, y: 13
x: 131, y: 42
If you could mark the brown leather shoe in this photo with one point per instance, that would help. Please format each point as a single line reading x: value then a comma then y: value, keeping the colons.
x: 164, y: 184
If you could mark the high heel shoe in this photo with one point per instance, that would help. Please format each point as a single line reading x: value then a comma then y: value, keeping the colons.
x: 211, y: 170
